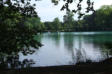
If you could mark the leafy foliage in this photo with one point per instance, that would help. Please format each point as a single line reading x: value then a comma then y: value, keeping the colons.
x: 15, y: 34
x: 57, y: 25
x: 77, y: 10
x: 98, y: 21
x: 35, y: 24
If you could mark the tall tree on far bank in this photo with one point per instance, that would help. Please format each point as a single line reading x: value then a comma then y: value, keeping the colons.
x: 57, y: 24
x: 68, y: 20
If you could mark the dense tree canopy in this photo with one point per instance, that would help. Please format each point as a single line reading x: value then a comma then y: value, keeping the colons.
x: 101, y: 19
x: 98, y: 21
x: 57, y: 25
x: 34, y: 23
x: 16, y: 35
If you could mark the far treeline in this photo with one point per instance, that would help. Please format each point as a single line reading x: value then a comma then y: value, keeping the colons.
x: 100, y: 20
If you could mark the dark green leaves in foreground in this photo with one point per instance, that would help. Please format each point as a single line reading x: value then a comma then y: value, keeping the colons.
x: 15, y: 34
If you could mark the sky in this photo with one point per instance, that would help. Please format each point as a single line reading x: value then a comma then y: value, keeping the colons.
x: 47, y: 11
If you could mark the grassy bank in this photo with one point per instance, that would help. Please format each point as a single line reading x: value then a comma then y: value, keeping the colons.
x: 103, y: 67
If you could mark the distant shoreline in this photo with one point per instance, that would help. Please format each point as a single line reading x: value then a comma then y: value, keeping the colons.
x: 76, y: 31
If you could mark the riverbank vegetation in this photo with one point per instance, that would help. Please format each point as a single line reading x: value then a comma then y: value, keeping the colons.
x: 104, y: 67
x: 17, y: 32
x: 19, y: 23
x: 100, y: 20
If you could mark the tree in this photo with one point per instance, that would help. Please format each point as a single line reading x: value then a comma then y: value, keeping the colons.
x: 35, y: 23
x: 57, y: 25
x: 49, y: 26
x: 68, y: 20
x: 103, y: 16
x: 15, y: 36
x: 100, y: 20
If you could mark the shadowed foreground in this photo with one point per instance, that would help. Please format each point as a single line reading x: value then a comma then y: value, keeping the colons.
x: 104, y: 67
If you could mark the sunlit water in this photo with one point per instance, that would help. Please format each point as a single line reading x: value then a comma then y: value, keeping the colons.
x: 66, y: 48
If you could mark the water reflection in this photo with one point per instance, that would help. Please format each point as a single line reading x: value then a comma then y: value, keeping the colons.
x: 55, y: 37
x: 72, y: 47
x: 81, y: 49
x: 68, y: 44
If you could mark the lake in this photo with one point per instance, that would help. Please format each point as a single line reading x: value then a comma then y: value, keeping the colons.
x: 68, y: 48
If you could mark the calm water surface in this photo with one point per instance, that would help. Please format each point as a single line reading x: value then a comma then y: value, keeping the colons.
x: 66, y: 48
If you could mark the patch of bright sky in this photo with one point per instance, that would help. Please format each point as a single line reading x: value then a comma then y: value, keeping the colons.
x: 47, y: 11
